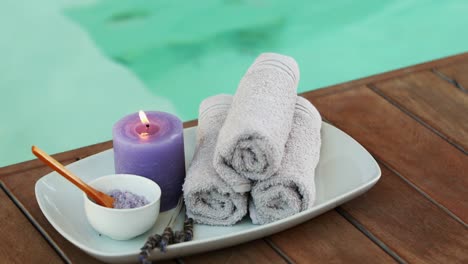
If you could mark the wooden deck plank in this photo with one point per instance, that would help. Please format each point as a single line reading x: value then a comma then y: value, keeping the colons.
x: 329, y: 238
x: 21, y: 242
x: 70, y: 156
x: 254, y: 252
x: 22, y: 186
x: 446, y: 65
x: 412, y: 226
x: 433, y: 100
x: 457, y: 74
x: 424, y: 158
x: 26, y: 180
x: 438, y: 178
x: 448, y: 61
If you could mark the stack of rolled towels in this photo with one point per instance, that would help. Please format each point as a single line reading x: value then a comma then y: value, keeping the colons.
x: 256, y: 151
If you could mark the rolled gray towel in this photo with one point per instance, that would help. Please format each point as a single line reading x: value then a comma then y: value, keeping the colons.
x: 209, y: 200
x: 251, y: 142
x: 292, y: 188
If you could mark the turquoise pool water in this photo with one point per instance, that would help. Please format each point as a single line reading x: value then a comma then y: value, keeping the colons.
x: 70, y: 69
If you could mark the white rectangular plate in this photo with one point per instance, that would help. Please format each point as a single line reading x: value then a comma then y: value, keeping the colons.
x: 345, y: 170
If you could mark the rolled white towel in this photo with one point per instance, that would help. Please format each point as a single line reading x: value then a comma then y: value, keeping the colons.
x: 251, y: 142
x: 209, y: 200
x: 292, y: 189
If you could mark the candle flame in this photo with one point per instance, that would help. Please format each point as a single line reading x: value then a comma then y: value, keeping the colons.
x: 143, y: 117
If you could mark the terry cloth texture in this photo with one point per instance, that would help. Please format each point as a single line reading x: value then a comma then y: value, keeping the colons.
x: 251, y: 142
x: 292, y: 189
x: 209, y: 199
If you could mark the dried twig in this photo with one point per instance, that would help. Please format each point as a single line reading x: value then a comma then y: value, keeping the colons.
x: 168, y: 237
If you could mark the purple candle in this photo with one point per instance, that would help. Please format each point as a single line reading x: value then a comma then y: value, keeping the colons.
x: 152, y: 146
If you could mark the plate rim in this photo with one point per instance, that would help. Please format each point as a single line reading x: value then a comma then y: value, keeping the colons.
x: 280, y: 223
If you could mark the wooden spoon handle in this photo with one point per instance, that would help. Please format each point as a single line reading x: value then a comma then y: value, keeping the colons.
x: 58, y: 167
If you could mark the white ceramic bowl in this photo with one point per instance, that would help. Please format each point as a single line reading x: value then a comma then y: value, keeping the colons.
x: 123, y: 224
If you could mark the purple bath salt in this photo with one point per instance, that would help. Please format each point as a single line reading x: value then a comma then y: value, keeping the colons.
x: 127, y: 200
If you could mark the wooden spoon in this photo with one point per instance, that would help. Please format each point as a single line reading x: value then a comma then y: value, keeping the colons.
x: 99, y: 197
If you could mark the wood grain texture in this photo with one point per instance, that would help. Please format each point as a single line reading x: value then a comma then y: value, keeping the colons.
x: 412, y: 226
x: 418, y: 154
x: 70, y: 156
x: 190, y: 123
x: 329, y: 238
x: 22, y: 186
x: 452, y: 60
x: 21, y: 242
x: 21, y: 178
x: 433, y: 100
x: 395, y: 212
x: 448, y: 66
x: 257, y: 251
x: 457, y: 74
